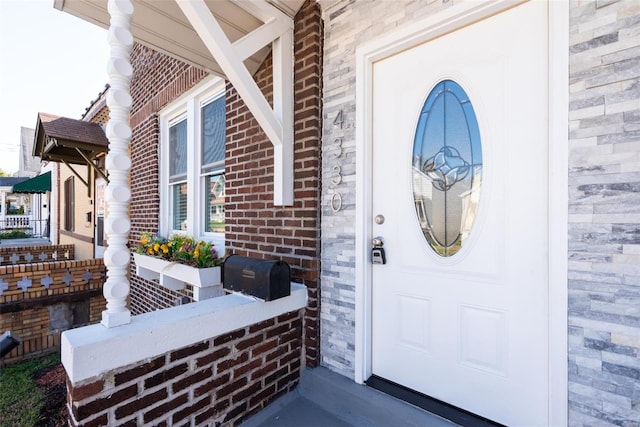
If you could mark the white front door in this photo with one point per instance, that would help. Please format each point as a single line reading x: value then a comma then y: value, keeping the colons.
x: 470, y: 329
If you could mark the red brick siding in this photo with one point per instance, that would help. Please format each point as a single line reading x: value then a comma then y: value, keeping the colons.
x: 308, y: 39
x: 254, y: 226
x: 157, y: 80
x: 219, y: 381
x: 96, y: 306
x: 29, y: 318
x: 32, y: 328
x: 56, y: 270
x: 62, y: 252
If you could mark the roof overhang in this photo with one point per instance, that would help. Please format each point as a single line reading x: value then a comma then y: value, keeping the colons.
x: 162, y: 26
x: 65, y: 140
x: 228, y: 38
x: 37, y: 184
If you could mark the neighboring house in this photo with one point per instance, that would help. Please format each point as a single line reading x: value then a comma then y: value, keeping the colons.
x: 75, y: 151
x: 36, y: 193
x: 507, y: 286
x: 13, y: 207
x: 22, y: 198
x: 44, y: 287
x: 37, y: 189
x: 29, y: 165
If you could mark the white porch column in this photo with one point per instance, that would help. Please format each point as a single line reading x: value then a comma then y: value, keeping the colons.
x: 3, y: 207
x: 118, y: 163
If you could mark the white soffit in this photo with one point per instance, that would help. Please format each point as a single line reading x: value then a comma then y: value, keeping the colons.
x: 161, y: 25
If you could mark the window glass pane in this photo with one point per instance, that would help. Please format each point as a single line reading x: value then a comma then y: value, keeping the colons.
x: 447, y: 168
x: 177, y: 150
x: 214, y: 203
x: 179, y: 206
x: 69, y: 204
x: 213, y: 132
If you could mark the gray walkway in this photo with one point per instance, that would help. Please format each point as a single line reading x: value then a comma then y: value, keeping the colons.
x: 326, y: 399
x: 33, y: 241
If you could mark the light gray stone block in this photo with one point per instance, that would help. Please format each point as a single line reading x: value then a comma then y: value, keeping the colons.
x: 604, y: 194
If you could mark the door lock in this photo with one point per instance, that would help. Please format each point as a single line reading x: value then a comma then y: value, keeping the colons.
x: 377, y: 252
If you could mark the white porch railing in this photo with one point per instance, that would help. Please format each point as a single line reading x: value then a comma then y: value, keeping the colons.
x: 13, y: 222
x: 33, y: 227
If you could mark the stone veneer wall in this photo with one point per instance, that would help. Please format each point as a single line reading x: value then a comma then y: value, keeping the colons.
x: 604, y: 183
x: 37, y: 302
x: 347, y: 25
x: 604, y: 214
x: 219, y: 381
x: 41, y: 253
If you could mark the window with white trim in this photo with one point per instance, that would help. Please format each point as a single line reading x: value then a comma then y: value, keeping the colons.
x: 192, y: 182
x: 69, y: 204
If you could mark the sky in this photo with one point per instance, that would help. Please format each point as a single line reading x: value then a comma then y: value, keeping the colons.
x: 50, y: 61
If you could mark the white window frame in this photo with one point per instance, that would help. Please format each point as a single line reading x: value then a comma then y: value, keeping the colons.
x: 188, y: 106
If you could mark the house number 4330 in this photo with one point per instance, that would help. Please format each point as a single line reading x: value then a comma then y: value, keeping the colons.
x: 336, y: 169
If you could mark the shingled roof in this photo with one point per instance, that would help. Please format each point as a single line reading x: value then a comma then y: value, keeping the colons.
x: 62, y: 139
x: 10, y: 181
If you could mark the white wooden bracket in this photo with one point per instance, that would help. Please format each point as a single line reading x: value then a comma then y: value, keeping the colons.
x: 75, y: 172
x: 277, y: 123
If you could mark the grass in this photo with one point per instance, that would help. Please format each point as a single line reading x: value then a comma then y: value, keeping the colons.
x: 14, y: 234
x: 20, y: 398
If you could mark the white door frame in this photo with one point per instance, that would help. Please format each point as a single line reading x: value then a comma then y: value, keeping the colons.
x: 411, y: 35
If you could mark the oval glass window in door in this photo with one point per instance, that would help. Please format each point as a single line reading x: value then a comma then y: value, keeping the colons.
x: 447, y: 168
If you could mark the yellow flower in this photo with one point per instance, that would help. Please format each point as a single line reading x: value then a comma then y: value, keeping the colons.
x: 156, y: 247
x: 196, y: 253
x: 144, y: 240
x: 150, y: 251
x: 164, y: 248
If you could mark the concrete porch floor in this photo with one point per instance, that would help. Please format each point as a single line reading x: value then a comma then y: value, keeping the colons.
x: 326, y: 399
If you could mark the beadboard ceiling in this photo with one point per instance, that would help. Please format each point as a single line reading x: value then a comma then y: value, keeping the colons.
x: 161, y: 25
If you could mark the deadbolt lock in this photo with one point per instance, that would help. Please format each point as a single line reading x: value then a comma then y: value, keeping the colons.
x: 378, y: 255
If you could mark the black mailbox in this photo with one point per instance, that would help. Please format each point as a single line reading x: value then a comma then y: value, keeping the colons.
x: 264, y: 279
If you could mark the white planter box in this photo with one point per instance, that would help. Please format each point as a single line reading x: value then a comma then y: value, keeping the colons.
x: 206, y: 282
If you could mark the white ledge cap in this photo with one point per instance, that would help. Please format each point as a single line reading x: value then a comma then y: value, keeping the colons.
x: 93, y: 350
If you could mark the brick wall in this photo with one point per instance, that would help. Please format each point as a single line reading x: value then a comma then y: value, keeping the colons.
x: 29, y: 254
x: 39, y: 301
x: 604, y: 224
x: 157, y: 80
x: 219, y: 381
x: 254, y: 226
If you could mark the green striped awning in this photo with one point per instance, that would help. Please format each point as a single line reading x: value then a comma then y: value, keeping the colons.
x: 38, y: 184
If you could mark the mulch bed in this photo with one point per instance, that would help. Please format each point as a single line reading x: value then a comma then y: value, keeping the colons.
x: 52, y: 381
